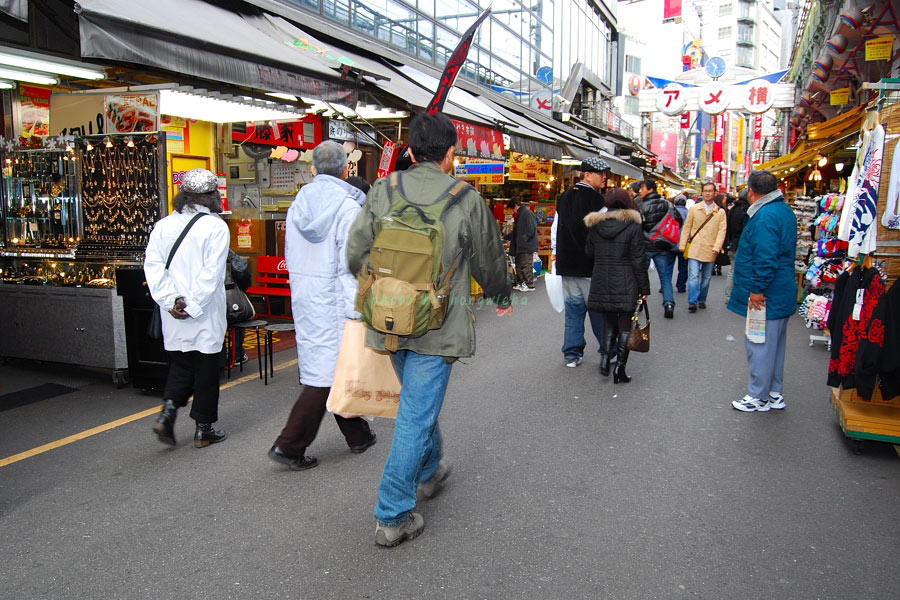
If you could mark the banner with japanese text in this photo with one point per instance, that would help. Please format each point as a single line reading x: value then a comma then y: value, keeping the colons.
x: 523, y: 167
x: 476, y: 141
x: 303, y: 134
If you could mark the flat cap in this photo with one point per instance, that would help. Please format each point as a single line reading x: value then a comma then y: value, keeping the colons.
x: 199, y: 181
x: 595, y: 164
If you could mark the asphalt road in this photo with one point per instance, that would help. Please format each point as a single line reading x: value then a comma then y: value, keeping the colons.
x: 564, y: 486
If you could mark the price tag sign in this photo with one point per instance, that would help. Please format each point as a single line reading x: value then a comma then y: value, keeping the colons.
x: 840, y: 96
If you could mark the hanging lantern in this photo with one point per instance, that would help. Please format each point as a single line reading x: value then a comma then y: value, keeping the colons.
x: 837, y: 44
x: 820, y: 74
x: 826, y: 61
x: 852, y: 17
x: 800, y: 110
x: 806, y: 98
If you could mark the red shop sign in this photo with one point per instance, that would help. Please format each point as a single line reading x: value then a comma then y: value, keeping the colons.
x: 479, y: 142
x: 304, y: 134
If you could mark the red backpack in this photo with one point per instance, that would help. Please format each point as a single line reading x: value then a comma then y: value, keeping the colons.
x: 668, y: 229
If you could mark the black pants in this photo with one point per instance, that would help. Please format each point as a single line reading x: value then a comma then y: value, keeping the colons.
x: 306, y: 417
x: 525, y: 269
x: 197, y: 374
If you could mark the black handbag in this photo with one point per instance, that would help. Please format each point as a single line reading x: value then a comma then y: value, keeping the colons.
x: 238, y: 307
x: 639, y: 337
x: 154, y: 328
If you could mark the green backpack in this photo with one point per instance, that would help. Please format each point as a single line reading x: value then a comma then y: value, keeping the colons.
x: 402, y: 291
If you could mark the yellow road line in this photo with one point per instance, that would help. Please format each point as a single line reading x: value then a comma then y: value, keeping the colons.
x: 117, y: 423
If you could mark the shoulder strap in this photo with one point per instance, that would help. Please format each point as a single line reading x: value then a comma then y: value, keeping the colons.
x: 181, y: 237
x: 708, y: 217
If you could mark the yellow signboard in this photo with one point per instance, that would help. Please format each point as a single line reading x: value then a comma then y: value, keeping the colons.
x: 523, y: 167
x: 879, y: 48
x: 840, y: 96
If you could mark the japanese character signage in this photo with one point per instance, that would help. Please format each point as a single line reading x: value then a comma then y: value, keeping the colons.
x: 879, y: 48
x: 388, y: 159
x: 301, y: 135
x: 759, y: 96
x: 839, y: 96
x: 35, y: 103
x: 454, y: 64
x: 671, y: 99
x: 713, y: 98
x: 479, y: 142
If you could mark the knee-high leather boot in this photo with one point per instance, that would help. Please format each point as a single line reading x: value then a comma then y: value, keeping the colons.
x: 622, y: 358
x: 609, y: 349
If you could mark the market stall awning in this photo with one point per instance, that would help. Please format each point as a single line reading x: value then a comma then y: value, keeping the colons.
x: 621, y: 167
x: 249, y: 48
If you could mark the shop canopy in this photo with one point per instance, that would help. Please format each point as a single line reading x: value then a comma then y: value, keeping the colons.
x: 616, y: 164
x: 821, y: 139
x: 250, y: 48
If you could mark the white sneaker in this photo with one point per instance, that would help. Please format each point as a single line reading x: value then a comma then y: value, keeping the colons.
x: 750, y: 404
x: 519, y: 287
x: 527, y: 288
x: 575, y: 363
x: 775, y: 401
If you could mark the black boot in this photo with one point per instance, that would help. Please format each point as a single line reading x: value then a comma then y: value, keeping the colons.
x: 164, y: 428
x: 622, y: 358
x: 609, y: 348
x: 206, y: 435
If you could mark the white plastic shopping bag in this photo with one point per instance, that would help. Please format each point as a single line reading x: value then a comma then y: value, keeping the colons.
x: 755, y: 329
x: 555, y: 290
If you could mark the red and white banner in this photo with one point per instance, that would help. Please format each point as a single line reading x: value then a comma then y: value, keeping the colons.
x: 686, y: 120
x: 477, y: 141
x: 388, y: 159
x: 757, y: 139
x: 719, y: 147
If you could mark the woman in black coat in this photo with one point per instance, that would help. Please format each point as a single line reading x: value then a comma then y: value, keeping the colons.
x: 616, y: 243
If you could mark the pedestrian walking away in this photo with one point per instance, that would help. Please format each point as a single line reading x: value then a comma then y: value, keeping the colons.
x: 568, y: 237
x: 702, y: 239
x: 654, y: 209
x: 681, y: 279
x: 737, y: 218
x: 185, y: 269
x: 471, y: 241
x: 323, y: 295
x: 523, y: 243
x: 764, y: 279
x: 617, y: 246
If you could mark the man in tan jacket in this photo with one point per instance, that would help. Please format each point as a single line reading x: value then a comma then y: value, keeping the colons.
x: 704, y: 233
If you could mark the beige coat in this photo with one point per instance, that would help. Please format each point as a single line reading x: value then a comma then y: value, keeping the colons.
x: 710, y: 239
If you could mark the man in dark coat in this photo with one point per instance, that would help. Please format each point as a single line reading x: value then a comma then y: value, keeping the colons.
x: 654, y: 209
x: 737, y: 217
x: 568, y: 240
x: 523, y: 243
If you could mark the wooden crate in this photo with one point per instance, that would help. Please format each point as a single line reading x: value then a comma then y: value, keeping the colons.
x: 877, y: 420
x: 888, y: 239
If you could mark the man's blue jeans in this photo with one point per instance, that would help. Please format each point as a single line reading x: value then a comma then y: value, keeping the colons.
x: 416, y: 447
x: 699, y: 274
x: 575, y: 294
x: 665, y: 264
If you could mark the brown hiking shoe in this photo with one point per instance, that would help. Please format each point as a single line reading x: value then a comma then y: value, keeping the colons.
x: 393, y: 535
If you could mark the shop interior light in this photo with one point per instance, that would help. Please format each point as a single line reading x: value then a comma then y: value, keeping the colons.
x: 190, y: 105
x: 88, y: 146
x: 26, y: 60
x: 6, y: 85
x: 839, y: 167
x: 129, y: 142
x: 27, y: 76
x: 823, y: 161
x: 107, y: 142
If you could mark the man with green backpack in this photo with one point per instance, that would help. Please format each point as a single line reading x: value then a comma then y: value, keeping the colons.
x: 415, y: 242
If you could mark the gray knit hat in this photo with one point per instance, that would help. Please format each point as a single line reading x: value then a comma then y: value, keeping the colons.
x: 595, y: 164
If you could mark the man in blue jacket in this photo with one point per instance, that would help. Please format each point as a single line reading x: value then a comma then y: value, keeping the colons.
x: 764, y: 279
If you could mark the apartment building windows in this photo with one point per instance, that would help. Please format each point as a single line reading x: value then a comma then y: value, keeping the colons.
x: 725, y: 33
x: 725, y: 9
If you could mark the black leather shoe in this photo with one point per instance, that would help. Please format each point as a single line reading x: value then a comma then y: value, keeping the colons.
x: 702, y: 305
x: 670, y: 310
x: 365, y: 445
x: 692, y: 308
x: 164, y: 428
x: 206, y: 435
x: 296, y: 463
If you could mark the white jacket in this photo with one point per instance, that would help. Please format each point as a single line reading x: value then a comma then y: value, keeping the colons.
x: 197, y: 273
x: 323, y: 291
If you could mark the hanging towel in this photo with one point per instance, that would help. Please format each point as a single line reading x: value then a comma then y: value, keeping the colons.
x: 858, y: 214
x: 891, y: 216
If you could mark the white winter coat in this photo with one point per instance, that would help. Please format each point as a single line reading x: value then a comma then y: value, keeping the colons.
x: 323, y: 291
x: 197, y: 274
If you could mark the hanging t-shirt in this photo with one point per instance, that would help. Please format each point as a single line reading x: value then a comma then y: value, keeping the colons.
x: 891, y: 216
x: 858, y: 215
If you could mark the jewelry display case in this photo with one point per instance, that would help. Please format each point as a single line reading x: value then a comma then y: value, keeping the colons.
x: 40, y: 202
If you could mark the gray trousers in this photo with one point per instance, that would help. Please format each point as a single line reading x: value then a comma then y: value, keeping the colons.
x: 766, y: 360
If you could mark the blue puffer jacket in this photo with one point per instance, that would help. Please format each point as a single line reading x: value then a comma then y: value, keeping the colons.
x: 764, y: 263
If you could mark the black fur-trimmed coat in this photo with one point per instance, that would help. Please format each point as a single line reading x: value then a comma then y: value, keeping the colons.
x: 616, y: 244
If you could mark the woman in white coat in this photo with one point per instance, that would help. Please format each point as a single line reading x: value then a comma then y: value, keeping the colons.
x: 323, y: 292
